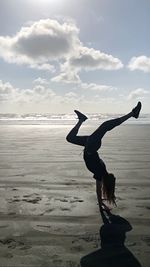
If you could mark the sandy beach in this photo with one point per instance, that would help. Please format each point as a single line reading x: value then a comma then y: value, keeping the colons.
x: 49, y: 215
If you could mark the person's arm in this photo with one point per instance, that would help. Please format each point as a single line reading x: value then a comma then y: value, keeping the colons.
x: 99, y: 193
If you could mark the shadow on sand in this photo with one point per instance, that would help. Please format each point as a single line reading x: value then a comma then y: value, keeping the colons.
x: 113, y: 252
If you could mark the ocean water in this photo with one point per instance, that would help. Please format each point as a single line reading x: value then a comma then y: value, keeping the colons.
x: 64, y: 119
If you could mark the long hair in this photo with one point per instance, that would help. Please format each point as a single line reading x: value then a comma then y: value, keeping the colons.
x: 108, y: 188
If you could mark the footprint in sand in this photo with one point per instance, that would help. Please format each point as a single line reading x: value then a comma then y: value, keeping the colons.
x: 15, y: 200
x: 77, y: 248
x: 61, y: 199
x: 32, y: 198
x: 133, y: 188
x: 76, y: 200
x: 12, y: 244
x: 30, y: 195
x: 65, y: 209
x: 69, y: 199
x: 10, y: 200
x: 33, y: 201
x: 64, y: 200
x: 46, y: 226
x: 49, y: 210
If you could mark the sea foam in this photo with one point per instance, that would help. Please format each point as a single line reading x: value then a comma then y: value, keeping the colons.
x: 65, y: 119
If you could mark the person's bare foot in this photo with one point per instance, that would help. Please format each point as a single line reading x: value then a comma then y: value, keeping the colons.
x: 80, y: 115
x: 136, y: 110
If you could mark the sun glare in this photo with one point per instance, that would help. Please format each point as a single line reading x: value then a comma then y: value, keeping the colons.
x: 42, y: 2
x: 47, y: 4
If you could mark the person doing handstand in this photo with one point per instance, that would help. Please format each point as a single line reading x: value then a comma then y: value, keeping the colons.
x: 105, y: 181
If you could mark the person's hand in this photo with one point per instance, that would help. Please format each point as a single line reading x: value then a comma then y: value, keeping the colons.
x: 105, y: 207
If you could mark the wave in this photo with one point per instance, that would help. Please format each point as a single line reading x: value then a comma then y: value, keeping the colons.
x: 34, y: 118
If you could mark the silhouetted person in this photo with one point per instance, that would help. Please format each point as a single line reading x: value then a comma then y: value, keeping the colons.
x: 105, y: 182
x: 113, y: 252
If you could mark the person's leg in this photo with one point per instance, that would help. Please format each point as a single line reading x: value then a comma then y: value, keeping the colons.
x: 110, y: 124
x: 94, y: 140
x: 72, y: 136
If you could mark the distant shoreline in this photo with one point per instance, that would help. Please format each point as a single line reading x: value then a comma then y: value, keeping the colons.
x: 64, y: 119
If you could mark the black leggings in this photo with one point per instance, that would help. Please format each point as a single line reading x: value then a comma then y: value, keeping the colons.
x: 93, y: 141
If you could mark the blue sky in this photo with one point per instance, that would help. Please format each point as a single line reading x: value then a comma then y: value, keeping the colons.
x: 61, y: 55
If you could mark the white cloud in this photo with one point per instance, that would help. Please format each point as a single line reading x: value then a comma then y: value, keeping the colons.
x: 138, y: 94
x: 5, y: 88
x: 44, y: 43
x: 41, y: 99
x: 85, y: 59
x: 45, y: 66
x: 38, y: 93
x: 40, y: 80
x: 6, y: 91
x: 71, y: 94
x: 97, y: 87
x: 40, y: 42
x: 38, y: 99
x: 140, y: 63
x: 67, y: 77
x: 91, y: 59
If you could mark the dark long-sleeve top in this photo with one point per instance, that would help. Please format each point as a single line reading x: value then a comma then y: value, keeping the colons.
x: 95, y: 164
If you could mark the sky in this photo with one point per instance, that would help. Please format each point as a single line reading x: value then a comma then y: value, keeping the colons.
x: 61, y: 55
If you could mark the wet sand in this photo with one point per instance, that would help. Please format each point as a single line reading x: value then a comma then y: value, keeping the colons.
x: 49, y: 215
